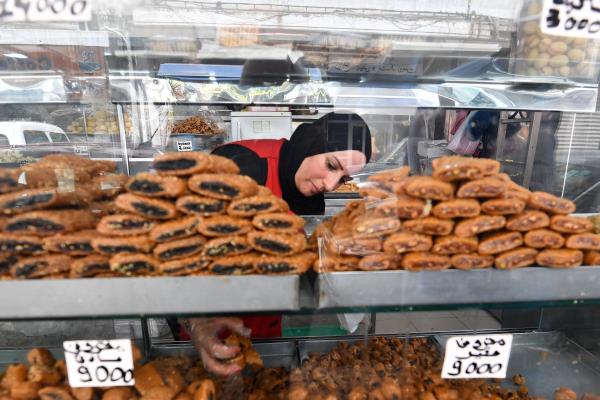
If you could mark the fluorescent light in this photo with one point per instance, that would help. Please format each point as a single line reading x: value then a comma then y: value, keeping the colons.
x: 14, y: 55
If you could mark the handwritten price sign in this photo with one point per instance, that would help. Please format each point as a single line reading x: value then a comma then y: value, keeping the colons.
x: 96, y: 363
x: 575, y: 18
x: 45, y: 10
x: 477, y: 356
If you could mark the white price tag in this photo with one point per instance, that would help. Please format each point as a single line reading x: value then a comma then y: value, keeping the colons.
x: 45, y: 10
x: 477, y: 356
x: 80, y: 149
x: 184, y: 145
x: 97, y: 363
x: 574, y: 18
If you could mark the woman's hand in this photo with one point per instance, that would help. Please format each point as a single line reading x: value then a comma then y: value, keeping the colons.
x: 213, y: 352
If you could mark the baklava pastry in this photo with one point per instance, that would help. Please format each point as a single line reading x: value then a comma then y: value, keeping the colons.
x: 37, y: 199
x: 569, y: 224
x: 65, y: 161
x: 223, y: 225
x: 9, y: 180
x: 481, y: 188
x: 40, y: 356
x: 223, y: 186
x: 296, y: 264
x: 24, y: 390
x: 20, y: 244
x: 404, y: 207
x: 456, y: 168
x: 560, y: 258
x: 46, y: 223
x: 73, y: 244
x: 544, y: 238
x: 201, y: 205
x: 591, y: 257
x: 457, y: 208
x: 151, y: 185
x: 174, y: 230
x: 89, y: 266
x: 336, y: 263
x: 471, y: 261
x: 277, y: 244
x: 134, y: 264
x: 390, y: 177
x: 184, y: 266
x: 374, y: 191
x: 278, y: 222
x: 455, y: 244
x: 181, y: 163
x: 425, y: 261
x: 503, y: 206
x: 54, y: 393
x: 516, y: 258
x: 429, y: 226
x: 124, y: 225
x: 234, y: 265
x: 499, y: 242
x: 583, y: 241
x: 219, y: 164
x: 550, y: 203
x: 376, y: 227
x: 527, y: 221
x: 426, y: 187
x: 250, y: 206
x: 40, y: 266
x: 226, y: 246
x: 43, y: 374
x: 476, y: 225
x: 146, y: 207
x: 403, y: 242
x: 130, y: 244
x: 353, y: 246
x: 379, y: 262
x: 107, y: 187
x: 181, y: 248
x: 521, y: 194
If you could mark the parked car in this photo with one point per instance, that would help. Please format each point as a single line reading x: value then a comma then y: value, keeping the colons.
x: 34, y: 139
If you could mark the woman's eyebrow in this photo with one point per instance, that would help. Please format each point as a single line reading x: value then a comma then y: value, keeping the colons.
x: 339, y: 164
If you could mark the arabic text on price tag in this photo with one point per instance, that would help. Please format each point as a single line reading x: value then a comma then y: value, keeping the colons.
x: 97, y: 363
x: 574, y: 18
x: 45, y: 10
x: 477, y: 356
x: 184, y: 145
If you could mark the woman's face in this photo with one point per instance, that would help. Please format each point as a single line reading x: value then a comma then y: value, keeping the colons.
x: 325, y: 172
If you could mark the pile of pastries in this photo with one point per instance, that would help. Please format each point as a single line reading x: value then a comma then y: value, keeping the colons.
x: 466, y: 215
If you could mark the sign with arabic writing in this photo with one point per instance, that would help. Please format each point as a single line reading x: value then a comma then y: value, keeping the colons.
x: 477, y: 356
x: 97, y: 363
x: 574, y: 18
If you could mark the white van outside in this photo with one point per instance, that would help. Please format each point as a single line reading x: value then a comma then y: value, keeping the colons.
x: 24, y: 133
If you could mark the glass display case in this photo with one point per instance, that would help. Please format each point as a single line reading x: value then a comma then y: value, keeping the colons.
x: 106, y: 125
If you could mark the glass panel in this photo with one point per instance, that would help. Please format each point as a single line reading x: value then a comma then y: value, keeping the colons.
x: 33, y: 137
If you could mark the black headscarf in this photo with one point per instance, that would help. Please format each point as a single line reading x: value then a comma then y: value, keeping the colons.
x: 310, y: 139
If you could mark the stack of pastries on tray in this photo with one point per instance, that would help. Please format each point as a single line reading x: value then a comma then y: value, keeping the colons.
x: 466, y: 215
x: 379, y: 369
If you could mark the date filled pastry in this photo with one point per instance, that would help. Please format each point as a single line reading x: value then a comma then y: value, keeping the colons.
x: 54, y: 393
x: 116, y: 245
x: 456, y: 168
x: 134, y: 264
x: 146, y: 207
x: 457, y: 208
x: 379, y: 262
x: 471, y: 261
x: 353, y: 246
x: 402, y: 242
x: 250, y: 206
x: 23, y: 390
x: 516, y: 258
x: 233, y: 265
x: 184, y: 266
x: 336, y: 263
x: 404, y: 207
x: 296, y: 264
x: 278, y: 222
x: 89, y: 266
x: 107, y: 187
x: 20, y: 244
x: 591, y: 257
x: 37, y: 199
x: 73, y: 244
x: 559, y: 258
x: 181, y: 163
x: 583, y: 241
x: 277, y: 243
x: 376, y: 227
x: 118, y: 393
x: 503, y: 206
x: 173, y: 230
x: 426, y: 187
x: 455, y: 244
x: 550, y: 203
x: 65, y: 161
x: 499, y: 242
x: 201, y: 205
x: 124, y: 225
x: 527, y: 221
x: 480, y: 224
x: 224, y: 225
x: 149, y: 184
x: 429, y: 226
x: 6, y: 261
x: 43, y: 374
x: 226, y: 246
x: 223, y: 186
x: 9, y: 180
x: 481, y: 188
x: 46, y: 223
x: 425, y: 261
x: 219, y: 164
x: 40, y: 266
x: 569, y: 224
x: 179, y: 248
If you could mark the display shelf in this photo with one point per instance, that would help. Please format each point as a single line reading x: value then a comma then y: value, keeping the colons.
x: 120, y: 297
x: 365, y: 290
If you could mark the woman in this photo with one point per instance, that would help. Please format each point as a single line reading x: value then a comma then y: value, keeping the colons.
x: 299, y: 171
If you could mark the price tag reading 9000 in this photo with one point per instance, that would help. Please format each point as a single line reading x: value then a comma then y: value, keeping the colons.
x: 477, y: 356
x: 45, y: 10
